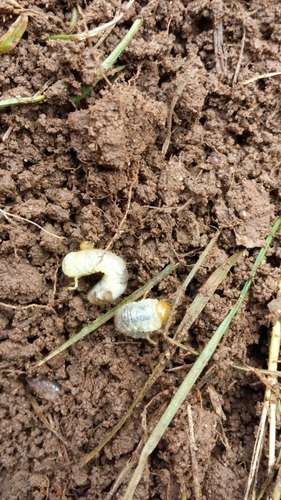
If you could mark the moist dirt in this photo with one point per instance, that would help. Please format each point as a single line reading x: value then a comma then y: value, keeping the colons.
x: 76, y: 171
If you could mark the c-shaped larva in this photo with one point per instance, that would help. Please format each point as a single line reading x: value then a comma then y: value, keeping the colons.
x: 136, y: 319
x: 94, y: 260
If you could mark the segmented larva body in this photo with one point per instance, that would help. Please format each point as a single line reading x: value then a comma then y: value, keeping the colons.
x: 94, y: 260
x: 138, y: 318
x: 44, y: 388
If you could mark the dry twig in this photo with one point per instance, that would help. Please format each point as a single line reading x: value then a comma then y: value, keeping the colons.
x: 218, y: 36
x: 193, y: 449
x: 177, y: 95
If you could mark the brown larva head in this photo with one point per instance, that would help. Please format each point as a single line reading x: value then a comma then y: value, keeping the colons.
x: 98, y: 298
x: 86, y: 245
x: 163, y: 310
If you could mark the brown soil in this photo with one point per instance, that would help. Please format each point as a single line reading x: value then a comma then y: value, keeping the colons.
x: 70, y: 169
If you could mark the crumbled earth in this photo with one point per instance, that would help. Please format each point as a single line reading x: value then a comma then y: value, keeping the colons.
x: 75, y: 171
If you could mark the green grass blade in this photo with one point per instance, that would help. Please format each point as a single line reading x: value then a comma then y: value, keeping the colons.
x: 110, y: 60
x: 63, y: 37
x: 17, y: 101
x: 10, y: 39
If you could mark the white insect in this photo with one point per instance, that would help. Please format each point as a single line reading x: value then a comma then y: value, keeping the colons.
x: 137, y: 319
x: 44, y: 388
x: 93, y: 260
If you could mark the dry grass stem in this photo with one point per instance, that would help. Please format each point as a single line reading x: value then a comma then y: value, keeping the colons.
x: 7, y: 133
x: 273, y: 382
x: 235, y: 78
x: 193, y: 449
x: 175, y: 99
x: 268, y: 412
x: 100, y: 29
x: 259, y: 77
x: 218, y: 36
x: 43, y: 419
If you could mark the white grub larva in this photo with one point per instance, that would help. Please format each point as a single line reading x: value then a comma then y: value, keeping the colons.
x: 137, y: 319
x: 93, y: 260
x: 44, y: 388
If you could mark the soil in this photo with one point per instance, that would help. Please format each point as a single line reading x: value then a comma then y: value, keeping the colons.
x: 74, y: 170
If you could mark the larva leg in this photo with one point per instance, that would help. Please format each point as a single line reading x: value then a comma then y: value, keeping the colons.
x: 75, y: 285
x: 148, y: 337
x: 175, y: 342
